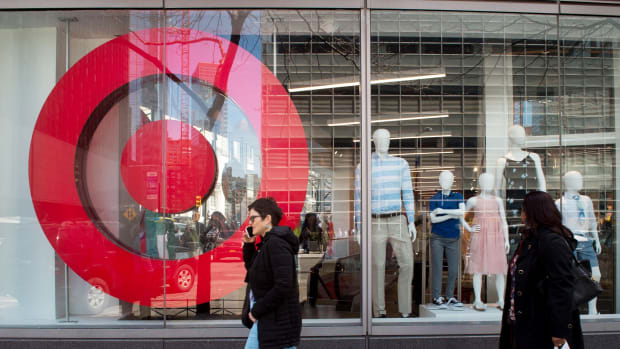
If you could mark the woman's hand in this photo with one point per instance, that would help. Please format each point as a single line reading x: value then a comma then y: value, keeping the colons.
x: 247, y: 238
x: 558, y: 342
x: 251, y: 317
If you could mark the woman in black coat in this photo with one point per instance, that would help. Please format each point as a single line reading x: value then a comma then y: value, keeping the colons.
x: 539, y: 310
x: 274, y: 317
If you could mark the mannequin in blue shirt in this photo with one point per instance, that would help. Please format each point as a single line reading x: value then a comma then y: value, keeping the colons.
x: 447, y: 210
x: 391, y: 191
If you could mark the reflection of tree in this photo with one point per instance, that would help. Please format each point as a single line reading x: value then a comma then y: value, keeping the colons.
x: 223, y: 72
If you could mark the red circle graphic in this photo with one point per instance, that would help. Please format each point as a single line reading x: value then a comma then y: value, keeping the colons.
x: 55, y: 141
x: 188, y: 177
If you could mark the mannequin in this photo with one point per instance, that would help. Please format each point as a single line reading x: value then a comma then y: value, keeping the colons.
x: 578, y: 216
x: 391, y: 189
x: 489, y: 243
x: 523, y: 173
x: 447, y: 210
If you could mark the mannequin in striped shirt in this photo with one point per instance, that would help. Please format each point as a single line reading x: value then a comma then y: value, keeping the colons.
x: 391, y: 190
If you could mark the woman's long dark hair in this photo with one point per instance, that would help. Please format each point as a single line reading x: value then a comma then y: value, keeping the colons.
x: 540, y: 211
x: 311, y: 227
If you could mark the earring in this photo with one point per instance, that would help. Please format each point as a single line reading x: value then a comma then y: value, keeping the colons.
x: 267, y: 226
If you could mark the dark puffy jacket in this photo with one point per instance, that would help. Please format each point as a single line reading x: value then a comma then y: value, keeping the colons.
x: 543, y: 295
x: 272, y: 277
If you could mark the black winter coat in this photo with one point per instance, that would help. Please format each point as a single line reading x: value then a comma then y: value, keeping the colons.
x: 272, y: 277
x: 543, y: 295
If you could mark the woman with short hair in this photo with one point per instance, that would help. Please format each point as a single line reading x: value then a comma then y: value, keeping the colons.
x: 274, y: 315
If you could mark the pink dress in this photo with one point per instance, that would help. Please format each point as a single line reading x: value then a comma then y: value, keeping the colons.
x: 487, y: 246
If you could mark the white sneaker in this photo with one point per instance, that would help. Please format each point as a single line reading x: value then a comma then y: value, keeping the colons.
x: 438, y: 303
x: 454, y: 304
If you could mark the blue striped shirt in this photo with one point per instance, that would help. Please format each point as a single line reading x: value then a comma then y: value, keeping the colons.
x: 391, y: 187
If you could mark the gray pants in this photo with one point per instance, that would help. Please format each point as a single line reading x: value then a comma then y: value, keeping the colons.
x: 393, y: 230
x: 451, y: 247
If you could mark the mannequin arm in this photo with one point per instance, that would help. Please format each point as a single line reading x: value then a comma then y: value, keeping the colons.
x: 502, y: 214
x: 592, y: 225
x: 407, y: 191
x: 412, y: 231
x: 471, y: 203
x: 499, y: 175
x: 455, y: 213
x: 542, y: 185
x: 438, y: 219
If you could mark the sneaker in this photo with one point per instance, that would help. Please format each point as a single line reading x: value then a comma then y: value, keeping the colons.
x: 439, y: 303
x: 454, y: 304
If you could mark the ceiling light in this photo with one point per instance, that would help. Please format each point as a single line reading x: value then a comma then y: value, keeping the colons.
x: 440, y: 168
x: 424, y: 153
x: 384, y: 78
x: 414, y: 137
x: 323, y: 87
x: 419, y: 117
x: 408, y: 78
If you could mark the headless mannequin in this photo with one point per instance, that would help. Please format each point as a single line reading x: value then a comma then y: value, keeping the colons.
x: 522, y: 172
x: 437, y: 216
x: 446, y: 180
x: 516, y: 138
x: 381, y: 139
x: 573, y: 182
x: 388, y: 226
x: 486, y: 182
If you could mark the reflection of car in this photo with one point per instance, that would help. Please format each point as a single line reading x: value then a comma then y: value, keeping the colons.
x: 229, y: 250
x: 340, y: 279
x: 92, y: 297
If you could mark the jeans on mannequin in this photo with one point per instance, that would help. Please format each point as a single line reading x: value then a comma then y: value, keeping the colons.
x: 450, y: 246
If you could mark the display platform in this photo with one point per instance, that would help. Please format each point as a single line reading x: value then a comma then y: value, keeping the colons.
x: 468, y: 313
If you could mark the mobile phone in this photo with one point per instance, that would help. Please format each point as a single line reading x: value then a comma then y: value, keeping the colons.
x: 249, y: 230
x: 564, y: 346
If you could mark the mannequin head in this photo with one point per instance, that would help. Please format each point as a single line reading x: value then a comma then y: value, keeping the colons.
x: 486, y: 181
x: 516, y: 135
x: 573, y: 181
x: 446, y: 179
x: 381, y: 138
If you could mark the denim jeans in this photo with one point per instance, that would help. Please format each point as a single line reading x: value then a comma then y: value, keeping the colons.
x: 252, y: 341
x: 450, y: 246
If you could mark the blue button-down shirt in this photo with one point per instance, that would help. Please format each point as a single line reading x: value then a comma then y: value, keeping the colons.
x: 391, y: 187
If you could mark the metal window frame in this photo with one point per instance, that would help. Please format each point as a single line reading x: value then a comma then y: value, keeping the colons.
x: 364, y: 326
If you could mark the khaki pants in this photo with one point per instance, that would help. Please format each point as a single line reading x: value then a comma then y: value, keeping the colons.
x: 393, y: 230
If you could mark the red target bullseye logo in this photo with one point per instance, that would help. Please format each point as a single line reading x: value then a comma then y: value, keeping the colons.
x: 101, y: 73
x: 145, y: 155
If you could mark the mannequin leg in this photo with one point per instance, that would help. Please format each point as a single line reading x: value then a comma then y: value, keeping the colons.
x: 379, y: 240
x: 596, y: 275
x: 437, y: 265
x: 404, y: 256
x: 500, y: 284
x: 452, y: 254
x: 477, y: 280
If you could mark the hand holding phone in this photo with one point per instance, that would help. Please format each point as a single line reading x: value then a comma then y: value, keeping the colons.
x: 249, y: 234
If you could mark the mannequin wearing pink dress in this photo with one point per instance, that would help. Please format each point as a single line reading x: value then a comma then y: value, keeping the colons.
x: 489, y: 240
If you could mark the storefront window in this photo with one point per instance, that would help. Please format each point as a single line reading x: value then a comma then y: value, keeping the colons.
x: 134, y: 142
x: 468, y: 106
x: 148, y: 150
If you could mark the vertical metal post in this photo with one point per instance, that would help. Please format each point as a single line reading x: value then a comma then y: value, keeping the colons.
x: 67, y: 21
x: 163, y: 192
x: 366, y: 251
x: 275, y: 49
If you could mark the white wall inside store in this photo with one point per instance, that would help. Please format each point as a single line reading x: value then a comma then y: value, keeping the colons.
x: 498, y: 107
x: 28, y: 69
